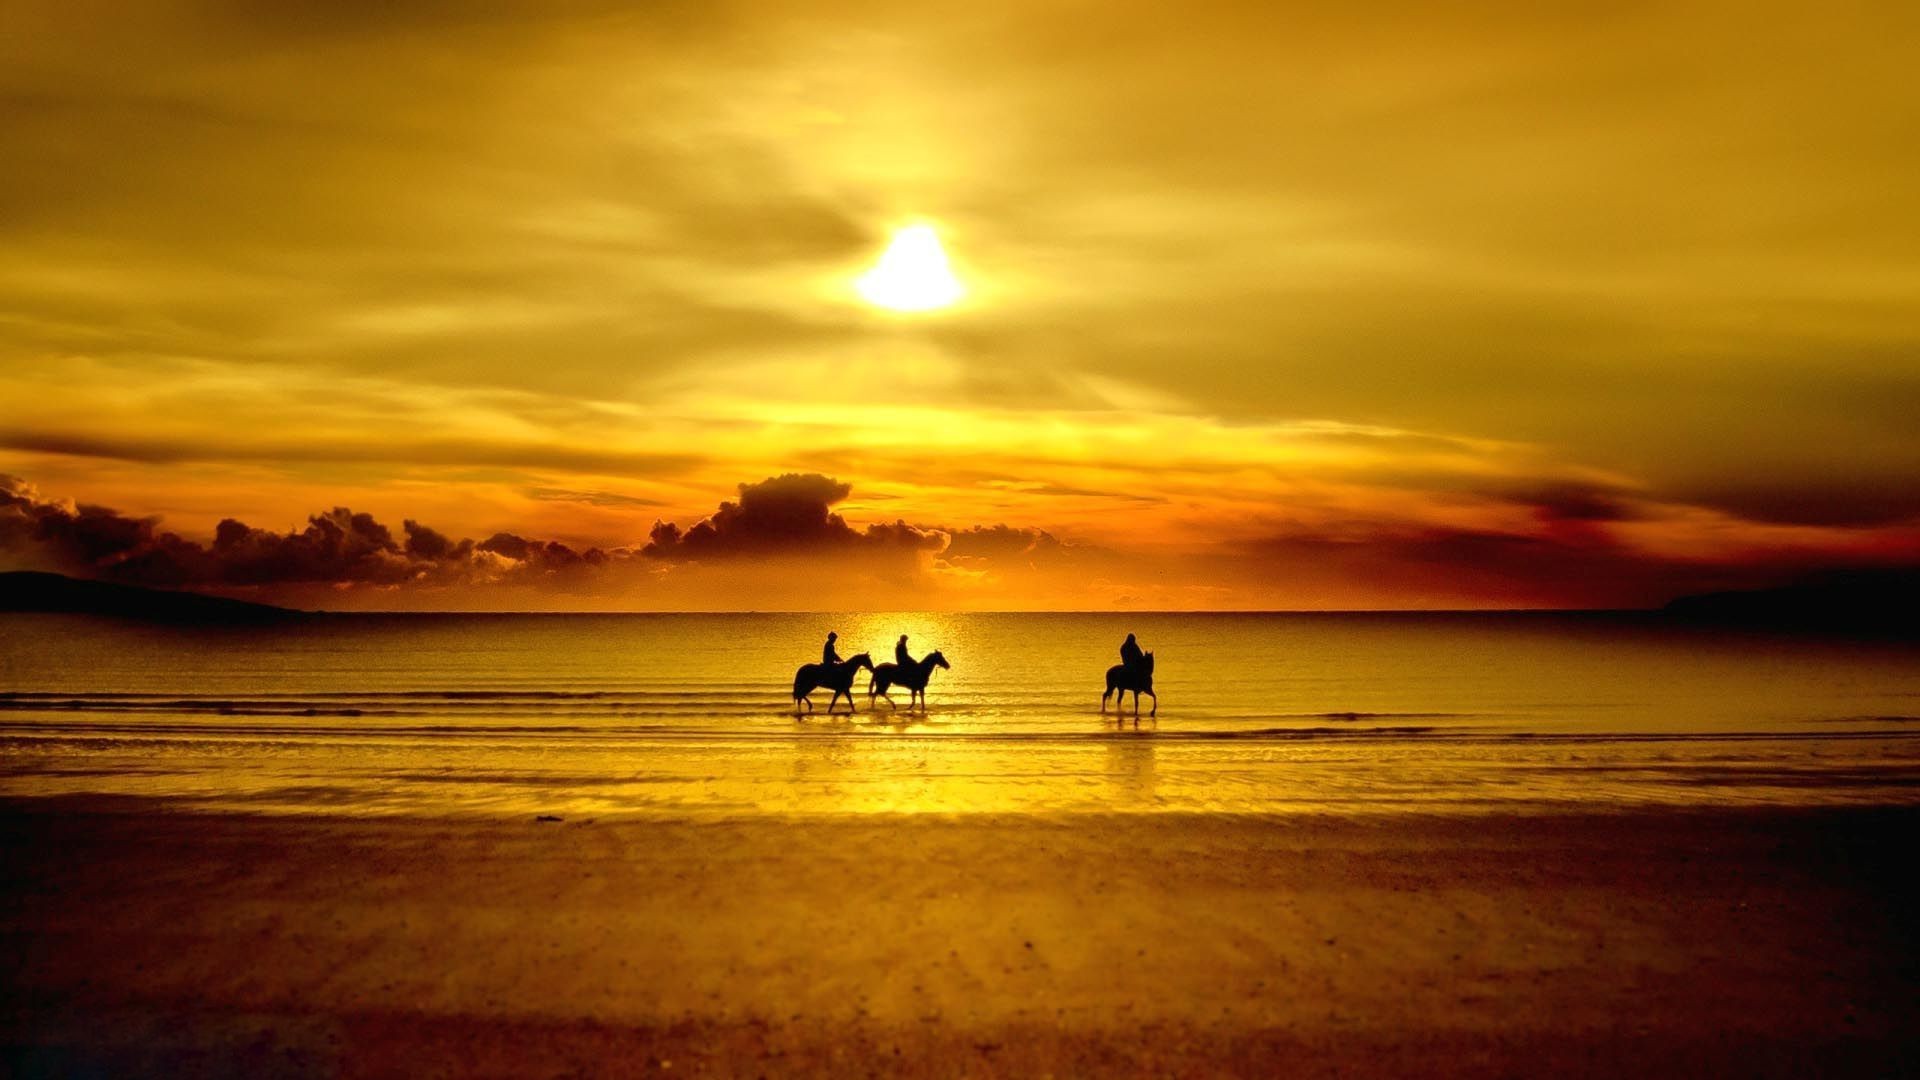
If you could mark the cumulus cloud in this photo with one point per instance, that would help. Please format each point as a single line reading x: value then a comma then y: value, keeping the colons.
x: 789, y: 514
x: 63, y: 534
x: 338, y: 547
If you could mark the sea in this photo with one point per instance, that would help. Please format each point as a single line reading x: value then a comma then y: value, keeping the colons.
x: 692, y: 715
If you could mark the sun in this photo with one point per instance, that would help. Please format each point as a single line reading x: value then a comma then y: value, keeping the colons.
x: 912, y: 275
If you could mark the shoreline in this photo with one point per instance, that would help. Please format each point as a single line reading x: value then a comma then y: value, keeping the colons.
x: 1749, y: 941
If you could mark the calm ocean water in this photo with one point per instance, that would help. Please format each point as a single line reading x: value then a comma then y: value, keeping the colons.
x: 690, y: 715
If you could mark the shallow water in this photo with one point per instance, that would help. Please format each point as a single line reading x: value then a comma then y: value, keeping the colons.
x: 692, y: 714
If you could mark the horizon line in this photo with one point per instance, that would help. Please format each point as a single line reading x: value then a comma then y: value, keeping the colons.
x: 996, y: 611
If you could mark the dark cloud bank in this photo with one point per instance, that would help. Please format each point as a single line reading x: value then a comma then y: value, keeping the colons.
x: 1569, y: 560
x: 783, y: 516
x: 337, y: 547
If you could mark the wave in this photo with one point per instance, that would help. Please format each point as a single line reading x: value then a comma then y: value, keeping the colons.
x: 746, y: 712
x: 731, y: 702
x: 22, y: 735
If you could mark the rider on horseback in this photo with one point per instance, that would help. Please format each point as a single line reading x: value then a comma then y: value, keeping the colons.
x: 829, y: 654
x: 900, y: 654
x: 1132, y: 675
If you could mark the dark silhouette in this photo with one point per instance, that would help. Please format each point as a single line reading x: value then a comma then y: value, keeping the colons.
x: 900, y: 654
x: 30, y: 590
x: 829, y: 654
x: 1135, y: 677
x: 913, y: 675
x: 835, y: 677
x: 1130, y: 653
x: 1860, y: 603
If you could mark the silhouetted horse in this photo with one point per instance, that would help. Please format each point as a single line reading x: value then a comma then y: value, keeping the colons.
x: 1138, y: 679
x: 914, y: 677
x: 835, y: 677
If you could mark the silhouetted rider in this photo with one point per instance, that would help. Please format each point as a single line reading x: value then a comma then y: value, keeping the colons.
x: 1130, y: 654
x: 830, y: 655
x: 900, y: 654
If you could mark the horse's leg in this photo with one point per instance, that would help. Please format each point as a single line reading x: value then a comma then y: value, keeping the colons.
x: 1156, y: 703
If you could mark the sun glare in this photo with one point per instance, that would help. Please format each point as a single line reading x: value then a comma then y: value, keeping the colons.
x: 912, y: 275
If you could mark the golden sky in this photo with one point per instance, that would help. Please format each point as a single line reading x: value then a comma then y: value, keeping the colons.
x: 1265, y: 305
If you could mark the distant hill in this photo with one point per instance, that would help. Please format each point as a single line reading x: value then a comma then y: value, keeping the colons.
x: 1880, y: 604
x: 28, y: 590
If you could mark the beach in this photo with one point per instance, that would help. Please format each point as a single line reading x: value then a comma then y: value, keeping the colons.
x: 1699, y: 942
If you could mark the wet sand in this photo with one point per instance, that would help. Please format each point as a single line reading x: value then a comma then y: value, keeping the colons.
x: 1758, y: 942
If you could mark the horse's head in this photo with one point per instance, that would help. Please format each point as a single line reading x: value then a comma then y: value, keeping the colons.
x: 1146, y: 663
x: 861, y: 660
x: 936, y: 659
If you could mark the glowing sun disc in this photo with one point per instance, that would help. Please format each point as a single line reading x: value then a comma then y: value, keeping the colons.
x: 912, y: 275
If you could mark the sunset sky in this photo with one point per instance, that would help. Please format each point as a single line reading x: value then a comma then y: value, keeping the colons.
x: 1258, y: 306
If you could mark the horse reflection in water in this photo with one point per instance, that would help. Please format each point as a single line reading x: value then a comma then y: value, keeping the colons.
x: 1135, y: 677
x: 835, y: 677
x: 913, y: 676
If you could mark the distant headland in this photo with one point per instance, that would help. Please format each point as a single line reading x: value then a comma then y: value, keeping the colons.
x: 1881, y: 604
x: 30, y: 590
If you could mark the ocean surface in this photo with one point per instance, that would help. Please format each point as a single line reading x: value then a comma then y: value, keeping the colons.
x: 691, y: 715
